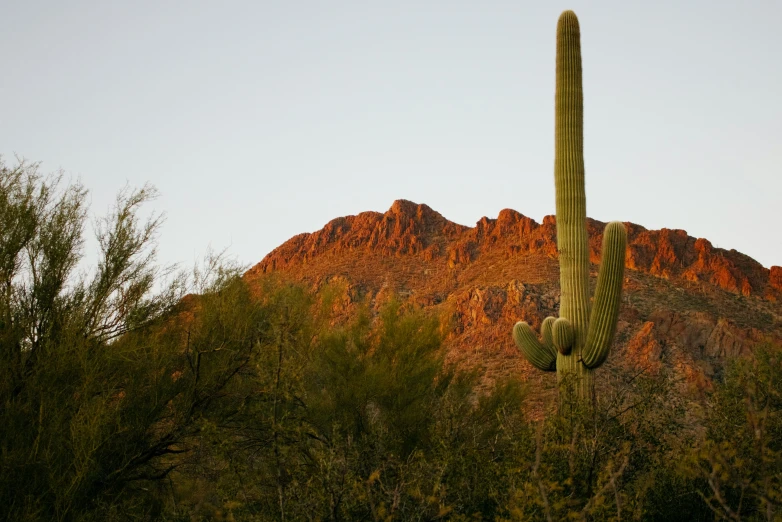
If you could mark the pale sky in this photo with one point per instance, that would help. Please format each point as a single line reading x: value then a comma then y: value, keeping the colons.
x: 260, y: 120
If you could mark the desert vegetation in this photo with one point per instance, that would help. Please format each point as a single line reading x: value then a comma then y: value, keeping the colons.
x: 129, y: 391
x: 132, y: 391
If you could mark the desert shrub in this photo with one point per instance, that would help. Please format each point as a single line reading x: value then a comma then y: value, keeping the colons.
x: 737, y: 462
x: 603, y: 461
x: 99, y: 394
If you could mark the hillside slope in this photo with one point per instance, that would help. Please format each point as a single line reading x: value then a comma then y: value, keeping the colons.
x: 687, y: 304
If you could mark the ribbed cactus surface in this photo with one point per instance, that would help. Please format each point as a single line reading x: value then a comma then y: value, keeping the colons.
x: 581, y: 338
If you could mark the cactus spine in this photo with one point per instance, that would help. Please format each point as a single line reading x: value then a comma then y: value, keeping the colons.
x: 580, y: 339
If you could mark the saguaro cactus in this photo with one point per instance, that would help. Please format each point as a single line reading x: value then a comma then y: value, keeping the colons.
x: 580, y: 339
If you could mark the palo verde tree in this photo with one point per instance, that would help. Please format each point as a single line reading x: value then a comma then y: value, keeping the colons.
x: 102, y: 391
x: 580, y: 339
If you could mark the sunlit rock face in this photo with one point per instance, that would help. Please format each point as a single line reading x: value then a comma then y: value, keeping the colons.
x: 686, y: 304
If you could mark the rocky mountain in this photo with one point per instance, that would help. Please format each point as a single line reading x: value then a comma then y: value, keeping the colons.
x: 687, y: 304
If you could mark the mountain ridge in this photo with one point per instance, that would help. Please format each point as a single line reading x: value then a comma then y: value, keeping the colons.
x: 411, y: 228
x: 687, y: 305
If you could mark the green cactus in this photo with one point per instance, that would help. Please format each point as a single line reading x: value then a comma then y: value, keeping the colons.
x: 580, y: 340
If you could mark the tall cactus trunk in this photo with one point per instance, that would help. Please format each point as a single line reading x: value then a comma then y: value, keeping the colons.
x: 572, y: 240
x: 580, y: 340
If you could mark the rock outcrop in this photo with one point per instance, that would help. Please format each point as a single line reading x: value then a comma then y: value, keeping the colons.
x: 408, y: 229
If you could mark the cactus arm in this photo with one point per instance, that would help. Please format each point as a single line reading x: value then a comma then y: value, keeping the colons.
x: 536, y: 353
x: 563, y: 335
x: 608, y: 296
x: 545, y: 331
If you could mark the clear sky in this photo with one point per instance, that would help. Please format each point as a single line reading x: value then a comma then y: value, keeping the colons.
x: 262, y: 119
